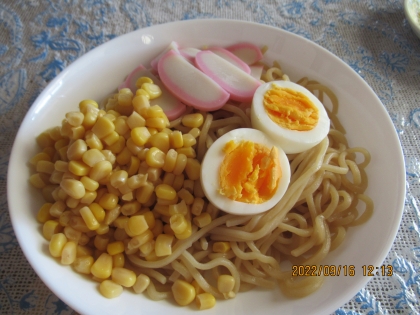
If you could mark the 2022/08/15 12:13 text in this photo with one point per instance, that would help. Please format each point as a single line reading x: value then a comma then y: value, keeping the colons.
x: 341, y: 270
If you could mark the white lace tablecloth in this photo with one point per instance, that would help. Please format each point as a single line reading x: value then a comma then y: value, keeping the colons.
x: 39, y: 38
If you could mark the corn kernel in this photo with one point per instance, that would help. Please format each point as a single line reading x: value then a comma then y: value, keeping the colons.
x: 144, y: 193
x: 118, y: 178
x: 75, y: 118
x: 141, y: 92
x: 110, y: 289
x: 76, y: 150
x: 57, y: 208
x: 72, y: 234
x: 155, y: 157
x: 187, y: 232
x: 136, y: 120
x: 78, y: 168
x: 118, y: 260
x: 163, y: 245
x: 101, y: 242
x: 73, y: 188
x: 142, y: 282
x: 137, y: 225
x: 193, y: 169
x: 111, y: 139
x: 130, y: 208
x: 61, y: 166
x: 42, y: 156
x: 44, y: 140
x: 121, y: 126
x: 165, y: 192
x: 189, y: 152
x: 103, y: 127
x: 100, y: 170
x: 108, y: 201
x: 43, y: 214
x: 37, y: 181
x: 178, y: 182
x: 197, y: 206
x: 118, y: 146
x: 46, y: 167
x: 140, y: 135
x: 156, y: 122
x: 109, y: 156
x: 50, y: 228
x: 89, y: 183
x: 83, y: 105
x: 142, y: 80
x: 161, y: 141
x: 192, y: 120
x: 205, y: 301
x: 97, y: 211
x: 89, y: 218
x: 83, y: 264
x: 225, y: 283
x: 68, y: 254
x: 188, y: 140
x: 139, y: 240
x: 153, y: 90
x: 195, y: 132
x: 56, y: 177
x: 93, y: 142
x: 77, y: 133
x: 176, y: 139
x: 221, y: 247
x: 153, y: 175
x: 141, y: 101
x: 183, y: 292
x: 178, y: 223
x: 186, y: 195
x: 181, y: 162
x: 114, y: 248
x: 57, y: 243
x: 123, y: 276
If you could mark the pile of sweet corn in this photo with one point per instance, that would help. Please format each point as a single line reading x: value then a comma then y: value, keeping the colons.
x: 117, y: 181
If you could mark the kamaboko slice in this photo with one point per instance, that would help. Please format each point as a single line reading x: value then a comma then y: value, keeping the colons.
x: 247, y: 52
x: 240, y: 85
x: 189, y: 84
x: 227, y: 55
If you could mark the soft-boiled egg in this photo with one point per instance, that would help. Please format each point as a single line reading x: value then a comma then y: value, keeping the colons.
x: 245, y: 172
x: 291, y: 115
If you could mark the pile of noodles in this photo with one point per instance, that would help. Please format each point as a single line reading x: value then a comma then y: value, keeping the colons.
x: 311, y: 220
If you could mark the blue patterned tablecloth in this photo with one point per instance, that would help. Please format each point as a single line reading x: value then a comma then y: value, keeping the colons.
x: 39, y: 38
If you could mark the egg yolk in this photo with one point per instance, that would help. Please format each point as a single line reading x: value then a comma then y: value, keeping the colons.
x: 250, y: 172
x: 290, y: 109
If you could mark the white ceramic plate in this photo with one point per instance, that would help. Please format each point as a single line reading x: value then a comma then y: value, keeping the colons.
x: 101, y: 70
x: 412, y: 11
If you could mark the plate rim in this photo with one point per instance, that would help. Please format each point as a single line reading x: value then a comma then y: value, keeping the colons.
x: 74, y: 64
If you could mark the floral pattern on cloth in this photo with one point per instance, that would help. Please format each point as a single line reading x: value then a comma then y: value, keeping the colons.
x: 39, y: 38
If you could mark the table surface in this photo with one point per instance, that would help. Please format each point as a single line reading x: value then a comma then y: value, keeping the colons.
x: 39, y: 38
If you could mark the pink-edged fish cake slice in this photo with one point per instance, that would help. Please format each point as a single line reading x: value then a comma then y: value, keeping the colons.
x: 256, y: 71
x: 172, y: 46
x: 240, y: 85
x: 171, y: 105
x: 189, y: 53
x: 247, y: 52
x: 227, y: 55
x: 189, y: 84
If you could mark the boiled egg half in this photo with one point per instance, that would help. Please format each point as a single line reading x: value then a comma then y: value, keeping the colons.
x: 245, y: 172
x: 289, y: 114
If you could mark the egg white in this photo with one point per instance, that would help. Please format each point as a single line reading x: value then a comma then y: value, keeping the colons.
x: 213, y: 160
x: 291, y: 141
